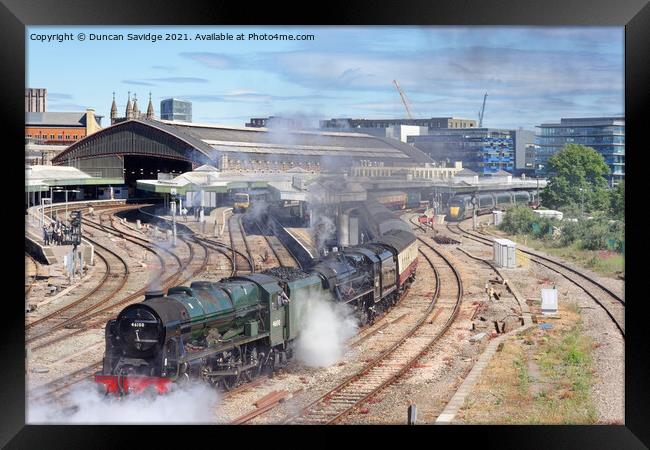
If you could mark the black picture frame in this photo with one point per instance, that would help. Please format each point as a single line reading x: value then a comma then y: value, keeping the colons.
x: 633, y: 14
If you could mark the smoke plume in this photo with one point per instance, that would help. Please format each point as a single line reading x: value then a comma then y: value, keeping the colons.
x: 256, y: 210
x: 195, y: 403
x: 325, y: 326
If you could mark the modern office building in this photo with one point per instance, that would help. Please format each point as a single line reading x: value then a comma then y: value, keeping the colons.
x: 482, y: 150
x: 399, y: 132
x: 402, y: 132
x: 529, y: 158
x: 524, y: 143
x: 604, y: 134
x: 175, y: 109
x: 35, y: 100
x: 431, y: 123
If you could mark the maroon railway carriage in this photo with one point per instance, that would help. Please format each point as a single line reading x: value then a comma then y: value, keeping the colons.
x: 406, y: 247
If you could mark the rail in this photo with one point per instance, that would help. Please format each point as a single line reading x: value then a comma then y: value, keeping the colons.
x: 376, y: 375
x: 548, y: 263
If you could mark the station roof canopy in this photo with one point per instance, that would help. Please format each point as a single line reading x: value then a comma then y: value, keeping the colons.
x: 209, y: 179
x: 285, y: 190
x: 465, y: 173
x: 41, y: 178
x: 205, y: 144
x: 499, y: 173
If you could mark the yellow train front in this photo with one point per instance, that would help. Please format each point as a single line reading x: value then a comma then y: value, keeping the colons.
x: 241, y: 202
x: 461, y: 206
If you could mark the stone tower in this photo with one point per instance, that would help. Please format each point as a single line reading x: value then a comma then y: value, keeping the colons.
x: 113, y: 110
x: 136, y: 110
x: 150, y: 108
x: 129, y: 108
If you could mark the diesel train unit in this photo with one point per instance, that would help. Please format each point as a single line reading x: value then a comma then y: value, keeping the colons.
x: 397, y: 199
x: 462, y: 206
x: 232, y: 330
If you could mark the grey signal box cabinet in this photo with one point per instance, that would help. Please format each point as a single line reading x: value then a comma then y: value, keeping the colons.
x: 505, y: 253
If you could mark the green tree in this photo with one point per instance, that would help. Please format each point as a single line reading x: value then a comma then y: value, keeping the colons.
x: 518, y: 220
x: 617, y: 201
x: 576, y: 176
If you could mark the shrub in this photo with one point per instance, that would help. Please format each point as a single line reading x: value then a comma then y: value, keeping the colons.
x: 597, y: 233
x: 594, y: 234
x: 518, y: 220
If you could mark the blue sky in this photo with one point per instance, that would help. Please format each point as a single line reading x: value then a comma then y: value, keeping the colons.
x: 532, y: 74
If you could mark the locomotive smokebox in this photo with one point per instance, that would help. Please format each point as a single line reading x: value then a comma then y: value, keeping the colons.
x: 153, y: 293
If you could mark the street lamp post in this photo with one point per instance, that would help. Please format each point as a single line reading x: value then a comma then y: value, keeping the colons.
x: 474, y: 201
x: 52, y: 199
x: 66, y: 198
x: 173, y: 207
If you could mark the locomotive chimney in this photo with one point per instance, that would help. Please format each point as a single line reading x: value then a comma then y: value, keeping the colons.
x: 153, y: 293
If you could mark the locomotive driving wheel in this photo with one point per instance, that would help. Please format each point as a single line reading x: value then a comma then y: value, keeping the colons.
x: 253, y: 372
x: 228, y: 382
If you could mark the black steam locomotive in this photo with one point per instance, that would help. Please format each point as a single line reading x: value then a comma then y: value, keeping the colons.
x: 232, y: 330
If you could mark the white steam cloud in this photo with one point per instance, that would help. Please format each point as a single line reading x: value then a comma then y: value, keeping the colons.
x: 195, y: 403
x: 325, y: 327
x: 257, y: 210
x: 322, y: 229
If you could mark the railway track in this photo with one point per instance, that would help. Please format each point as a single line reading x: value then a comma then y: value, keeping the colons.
x: 237, y: 239
x: 31, y: 267
x: 55, y: 389
x: 223, y: 249
x: 611, y: 303
x: 138, y: 241
x: 280, y: 253
x: 58, y: 387
x: 401, y: 355
x: 191, y: 272
x: 109, y: 286
x: 184, y: 272
x: 97, y: 310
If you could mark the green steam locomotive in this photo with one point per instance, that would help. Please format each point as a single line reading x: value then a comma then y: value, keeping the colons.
x: 232, y: 330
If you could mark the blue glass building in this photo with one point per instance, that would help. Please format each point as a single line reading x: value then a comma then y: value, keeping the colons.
x: 482, y: 150
x: 606, y: 135
x: 175, y: 109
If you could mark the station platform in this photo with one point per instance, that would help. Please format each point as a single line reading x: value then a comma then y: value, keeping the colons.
x: 53, y: 254
x: 303, y: 237
x: 214, y: 223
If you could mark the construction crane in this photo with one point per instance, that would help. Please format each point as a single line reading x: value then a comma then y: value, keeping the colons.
x: 404, y: 99
x: 481, y: 112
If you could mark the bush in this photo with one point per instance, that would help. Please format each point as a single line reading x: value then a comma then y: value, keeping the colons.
x: 518, y: 220
x: 543, y: 227
x: 598, y: 233
x: 522, y: 220
x: 594, y: 234
x: 570, y: 233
